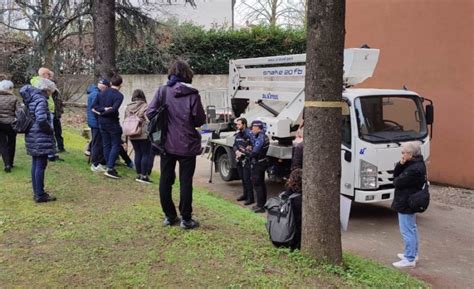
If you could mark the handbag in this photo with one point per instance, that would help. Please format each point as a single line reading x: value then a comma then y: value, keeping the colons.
x: 158, y: 125
x: 419, y: 201
x: 132, y: 126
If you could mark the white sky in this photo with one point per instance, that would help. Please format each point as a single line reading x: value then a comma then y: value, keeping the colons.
x: 207, y: 13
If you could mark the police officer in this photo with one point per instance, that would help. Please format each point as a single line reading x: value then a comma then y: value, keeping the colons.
x: 241, y: 146
x: 259, y: 163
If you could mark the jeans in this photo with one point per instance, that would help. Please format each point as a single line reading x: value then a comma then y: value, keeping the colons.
x: 112, y: 141
x: 97, y: 148
x: 187, y: 166
x: 58, y: 133
x: 142, y: 148
x: 245, y: 174
x: 407, y: 223
x: 38, y: 168
x: 258, y: 182
x: 7, y: 144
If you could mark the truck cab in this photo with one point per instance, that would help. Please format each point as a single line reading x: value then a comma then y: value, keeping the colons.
x: 379, y: 120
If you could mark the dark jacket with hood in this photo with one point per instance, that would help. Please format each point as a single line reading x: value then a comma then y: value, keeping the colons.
x: 138, y: 108
x: 92, y: 118
x: 9, y: 103
x: 185, y: 113
x: 408, y: 179
x: 39, y: 140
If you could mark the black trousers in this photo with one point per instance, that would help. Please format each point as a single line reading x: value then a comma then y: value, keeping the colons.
x: 7, y: 144
x: 258, y: 182
x: 58, y: 133
x: 245, y: 173
x: 187, y: 166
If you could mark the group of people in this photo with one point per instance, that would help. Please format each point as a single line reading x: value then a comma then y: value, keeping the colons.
x: 182, y: 142
x: 250, y: 149
x: 44, y: 138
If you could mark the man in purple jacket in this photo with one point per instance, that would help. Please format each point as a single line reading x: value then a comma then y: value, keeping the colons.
x: 183, y: 141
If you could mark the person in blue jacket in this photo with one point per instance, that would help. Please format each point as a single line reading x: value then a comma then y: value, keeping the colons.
x: 107, y: 105
x: 39, y: 139
x: 96, y: 147
x: 259, y: 163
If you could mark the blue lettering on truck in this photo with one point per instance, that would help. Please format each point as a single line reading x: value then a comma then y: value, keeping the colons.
x: 270, y: 96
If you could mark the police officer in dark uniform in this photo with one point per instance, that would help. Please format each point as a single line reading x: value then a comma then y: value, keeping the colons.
x: 241, y: 146
x: 259, y: 163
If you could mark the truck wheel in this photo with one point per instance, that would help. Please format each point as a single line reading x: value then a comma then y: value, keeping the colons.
x: 225, y: 170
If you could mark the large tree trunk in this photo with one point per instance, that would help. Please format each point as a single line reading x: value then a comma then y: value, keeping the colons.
x: 103, y: 13
x: 321, y: 236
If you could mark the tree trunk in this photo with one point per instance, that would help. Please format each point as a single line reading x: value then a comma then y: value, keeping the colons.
x: 321, y: 236
x: 273, y: 16
x: 103, y: 14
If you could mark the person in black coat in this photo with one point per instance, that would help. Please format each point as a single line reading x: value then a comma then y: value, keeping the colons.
x: 409, y: 177
x: 294, y: 185
x: 39, y: 140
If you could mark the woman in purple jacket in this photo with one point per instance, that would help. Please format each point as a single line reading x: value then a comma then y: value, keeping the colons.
x: 183, y: 141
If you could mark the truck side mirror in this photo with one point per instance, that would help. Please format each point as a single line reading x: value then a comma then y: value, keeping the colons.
x: 429, y: 114
x: 347, y: 155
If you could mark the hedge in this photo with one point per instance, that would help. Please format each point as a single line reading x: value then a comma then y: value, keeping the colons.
x: 208, y: 52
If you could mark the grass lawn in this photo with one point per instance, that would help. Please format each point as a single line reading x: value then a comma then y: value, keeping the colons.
x: 108, y: 233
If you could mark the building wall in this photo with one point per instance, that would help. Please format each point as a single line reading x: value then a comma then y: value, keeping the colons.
x: 428, y: 46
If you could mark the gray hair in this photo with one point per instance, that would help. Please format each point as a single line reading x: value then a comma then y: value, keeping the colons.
x: 6, y: 85
x: 412, y: 147
x: 46, y: 84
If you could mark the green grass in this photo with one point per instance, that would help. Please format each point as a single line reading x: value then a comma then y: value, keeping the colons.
x: 107, y: 233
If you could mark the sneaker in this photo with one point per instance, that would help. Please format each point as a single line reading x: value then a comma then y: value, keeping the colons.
x: 241, y: 198
x: 8, y: 169
x: 144, y: 180
x: 87, y: 153
x: 46, y: 198
x: 170, y: 221
x: 189, y: 224
x: 98, y: 168
x: 63, y: 151
x: 401, y: 256
x: 404, y: 263
x: 249, y: 202
x: 112, y: 173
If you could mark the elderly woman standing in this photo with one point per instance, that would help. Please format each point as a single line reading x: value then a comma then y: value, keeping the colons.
x: 39, y: 139
x: 9, y: 103
x: 409, y: 177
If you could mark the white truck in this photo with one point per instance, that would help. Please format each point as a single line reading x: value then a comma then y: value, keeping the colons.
x: 375, y: 121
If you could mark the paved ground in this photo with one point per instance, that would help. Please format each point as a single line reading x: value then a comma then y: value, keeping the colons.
x: 446, y: 233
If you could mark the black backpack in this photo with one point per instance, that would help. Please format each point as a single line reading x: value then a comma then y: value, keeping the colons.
x: 158, y: 125
x: 281, y: 223
x: 23, y: 120
x: 419, y: 201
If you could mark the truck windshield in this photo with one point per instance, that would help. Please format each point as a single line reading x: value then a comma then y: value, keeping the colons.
x: 390, y: 118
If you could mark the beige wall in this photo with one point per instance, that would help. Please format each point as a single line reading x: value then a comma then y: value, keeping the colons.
x: 428, y: 46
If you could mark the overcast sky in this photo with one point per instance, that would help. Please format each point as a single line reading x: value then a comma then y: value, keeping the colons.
x: 207, y: 13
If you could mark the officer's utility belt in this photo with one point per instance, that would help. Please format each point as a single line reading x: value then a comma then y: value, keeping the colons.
x: 260, y: 160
